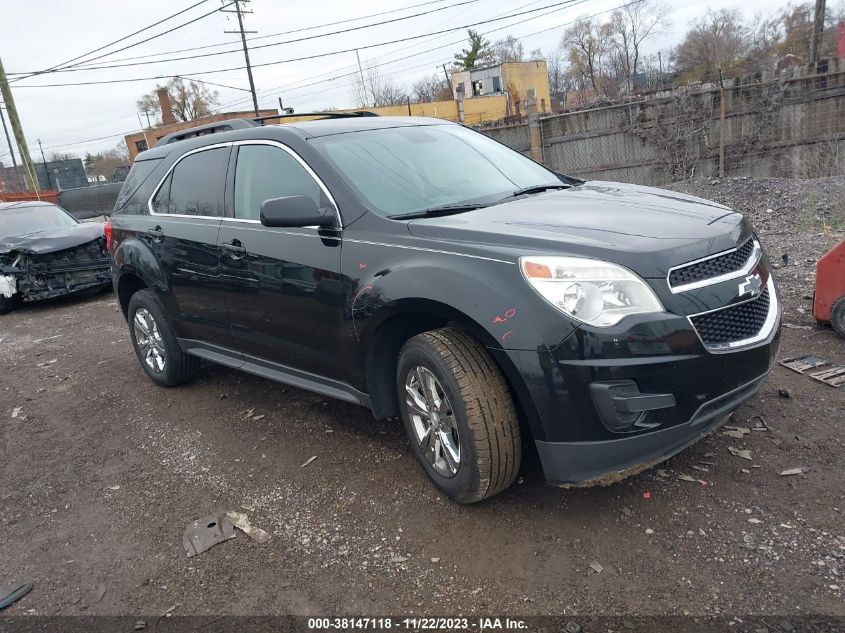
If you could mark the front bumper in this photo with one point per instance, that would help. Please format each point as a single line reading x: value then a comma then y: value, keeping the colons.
x: 678, y: 390
x: 608, y: 461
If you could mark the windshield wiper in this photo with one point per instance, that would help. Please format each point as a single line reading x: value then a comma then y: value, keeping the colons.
x: 447, y: 209
x: 539, y: 189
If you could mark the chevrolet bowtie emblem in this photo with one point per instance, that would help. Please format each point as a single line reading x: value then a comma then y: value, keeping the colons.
x: 752, y: 285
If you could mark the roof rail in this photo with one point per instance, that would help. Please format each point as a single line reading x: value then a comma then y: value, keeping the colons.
x: 210, y: 128
x: 324, y: 115
x: 240, y: 124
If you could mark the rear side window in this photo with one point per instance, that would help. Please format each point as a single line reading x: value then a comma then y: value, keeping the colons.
x: 195, y: 185
x: 139, y: 173
x: 264, y: 172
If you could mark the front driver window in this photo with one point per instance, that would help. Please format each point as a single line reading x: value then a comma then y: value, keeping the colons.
x: 264, y: 172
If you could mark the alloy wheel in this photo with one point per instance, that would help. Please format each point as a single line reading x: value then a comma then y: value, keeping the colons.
x: 148, y: 337
x: 433, y: 420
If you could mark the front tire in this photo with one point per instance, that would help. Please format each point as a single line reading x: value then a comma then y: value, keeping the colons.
x: 155, y: 343
x: 459, y: 415
x: 837, y: 317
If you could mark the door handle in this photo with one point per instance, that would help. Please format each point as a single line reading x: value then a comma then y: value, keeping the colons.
x: 156, y: 233
x: 234, y: 248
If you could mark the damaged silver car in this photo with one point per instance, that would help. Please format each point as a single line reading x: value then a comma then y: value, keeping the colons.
x: 45, y: 252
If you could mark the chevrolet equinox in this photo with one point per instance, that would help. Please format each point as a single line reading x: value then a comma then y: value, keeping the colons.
x: 421, y: 269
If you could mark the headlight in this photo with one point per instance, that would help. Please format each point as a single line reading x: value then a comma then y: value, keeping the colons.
x: 590, y: 290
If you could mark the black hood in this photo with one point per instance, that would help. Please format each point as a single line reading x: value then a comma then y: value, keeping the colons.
x: 52, y: 241
x: 614, y: 221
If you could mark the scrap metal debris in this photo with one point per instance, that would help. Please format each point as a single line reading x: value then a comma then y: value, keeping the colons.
x: 737, y: 432
x: 12, y: 593
x: 16, y: 411
x: 596, y: 567
x: 794, y: 471
x: 804, y: 362
x: 743, y: 453
x: 207, y: 532
x: 241, y: 521
x: 833, y: 376
x: 308, y: 461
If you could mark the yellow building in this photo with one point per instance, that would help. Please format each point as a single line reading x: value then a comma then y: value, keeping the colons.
x: 519, y: 82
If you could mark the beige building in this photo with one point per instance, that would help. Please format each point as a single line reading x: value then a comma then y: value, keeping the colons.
x: 519, y: 82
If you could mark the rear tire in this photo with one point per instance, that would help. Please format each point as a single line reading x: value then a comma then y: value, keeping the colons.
x: 470, y: 447
x: 155, y: 343
x: 7, y: 304
x: 837, y: 317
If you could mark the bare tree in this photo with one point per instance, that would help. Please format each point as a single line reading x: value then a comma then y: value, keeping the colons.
x: 630, y: 26
x: 536, y: 56
x: 587, y: 44
x: 62, y: 156
x: 104, y: 163
x: 430, y: 88
x: 376, y: 90
x: 508, y: 49
x: 717, y: 40
x: 188, y: 100
x: 556, y: 68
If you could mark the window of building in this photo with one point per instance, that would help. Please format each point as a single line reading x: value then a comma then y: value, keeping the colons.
x: 265, y: 172
x: 195, y: 186
x: 141, y: 145
x: 530, y: 94
x: 497, y: 84
x: 477, y: 88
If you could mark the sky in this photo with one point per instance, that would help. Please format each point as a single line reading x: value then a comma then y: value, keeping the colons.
x: 89, y: 118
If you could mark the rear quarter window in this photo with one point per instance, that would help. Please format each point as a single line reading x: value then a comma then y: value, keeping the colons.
x: 138, y: 175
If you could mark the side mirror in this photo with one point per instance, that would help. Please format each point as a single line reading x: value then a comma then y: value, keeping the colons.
x: 295, y: 211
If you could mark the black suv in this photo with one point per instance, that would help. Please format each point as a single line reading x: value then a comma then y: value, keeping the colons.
x: 419, y: 268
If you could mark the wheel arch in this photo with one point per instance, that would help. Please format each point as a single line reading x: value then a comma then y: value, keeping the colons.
x: 410, y: 317
x: 137, y: 268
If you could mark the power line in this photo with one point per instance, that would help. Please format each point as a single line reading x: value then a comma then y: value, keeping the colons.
x: 294, y: 41
x: 436, y: 48
x: 152, y: 37
x: 264, y: 37
x: 557, y: 26
x: 125, y: 37
x: 560, y: 5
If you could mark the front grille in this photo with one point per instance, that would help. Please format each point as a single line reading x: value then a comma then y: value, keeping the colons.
x: 709, y: 268
x: 736, y: 323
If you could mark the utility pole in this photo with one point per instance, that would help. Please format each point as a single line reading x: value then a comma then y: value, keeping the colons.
x: 16, y: 128
x: 363, y: 83
x: 44, y: 162
x: 818, y: 29
x: 11, y: 149
x: 243, y: 33
x: 448, y: 79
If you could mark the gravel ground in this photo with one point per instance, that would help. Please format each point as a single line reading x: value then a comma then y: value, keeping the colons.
x: 102, y: 471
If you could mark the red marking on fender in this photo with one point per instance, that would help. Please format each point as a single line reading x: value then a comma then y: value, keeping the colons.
x: 362, y: 265
x: 509, y: 314
x: 506, y: 335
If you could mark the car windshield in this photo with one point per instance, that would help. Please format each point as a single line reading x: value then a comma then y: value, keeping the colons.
x: 26, y: 219
x: 408, y: 169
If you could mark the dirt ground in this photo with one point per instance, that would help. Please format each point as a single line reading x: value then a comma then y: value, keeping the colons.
x: 101, y: 471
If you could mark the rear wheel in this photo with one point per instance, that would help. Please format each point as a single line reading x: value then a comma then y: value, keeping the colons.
x: 7, y: 304
x: 458, y: 414
x: 155, y: 343
x: 837, y: 317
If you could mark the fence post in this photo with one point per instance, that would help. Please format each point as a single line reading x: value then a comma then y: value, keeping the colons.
x: 534, y: 131
x: 721, y: 125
